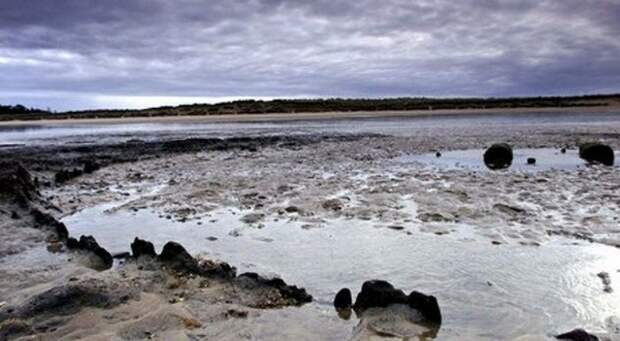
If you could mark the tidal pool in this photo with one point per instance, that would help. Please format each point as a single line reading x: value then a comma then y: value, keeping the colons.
x: 546, y: 159
x: 485, y: 291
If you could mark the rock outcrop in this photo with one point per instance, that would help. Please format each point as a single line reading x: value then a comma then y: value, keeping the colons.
x: 89, y: 245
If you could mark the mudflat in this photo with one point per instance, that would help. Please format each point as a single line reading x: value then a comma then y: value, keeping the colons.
x: 322, y: 210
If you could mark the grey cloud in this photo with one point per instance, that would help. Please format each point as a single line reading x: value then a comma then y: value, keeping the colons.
x: 280, y: 48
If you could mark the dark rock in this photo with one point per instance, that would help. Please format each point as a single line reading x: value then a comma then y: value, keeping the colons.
x: 396, y: 227
x: 14, y: 328
x: 290, y: 294
x: 498, y: 156
x: 563, y: 150
x: 531, y: 161
x: 343, y: 299
x: 14, y: 215
x: 175, y: 253
x: 604, y: 276
x: 46, y: 220
x: 69, y: 299
x: 141, y: 247
x: 17, y: 184
x: 292, y: 209
x: 333, y: 205
x: 597, y: 153
x: 253, y: 218
x: 121, y: 255
x: 217, y: 269
x: 577, y: 335
x: 91, y: 166
x: 64, y: 175
x: 438, y: 154
x: 427, y: 305
x: 72, y: 243
x: 88, y: 243
x: 377, y: 293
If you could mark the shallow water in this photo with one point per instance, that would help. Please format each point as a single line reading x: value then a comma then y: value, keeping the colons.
x: 34, y: 134
x: 546, y: 159
x: 485, y: 291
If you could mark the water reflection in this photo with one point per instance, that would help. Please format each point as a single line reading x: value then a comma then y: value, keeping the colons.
x: 546, y: 159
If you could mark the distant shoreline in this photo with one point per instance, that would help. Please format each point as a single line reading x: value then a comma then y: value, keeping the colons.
x: 241, y: 118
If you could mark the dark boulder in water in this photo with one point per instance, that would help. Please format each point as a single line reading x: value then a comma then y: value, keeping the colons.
x: 380, y: 294
x: 577, y: 335
x: 141, y: 247
x: 597, y: 153
x: 531, y: 161
x: 427, y: 305
x: 343, y: 299
x: 498, y: 156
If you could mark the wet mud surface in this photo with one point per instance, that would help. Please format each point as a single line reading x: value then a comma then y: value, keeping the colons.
x: 322, y: 211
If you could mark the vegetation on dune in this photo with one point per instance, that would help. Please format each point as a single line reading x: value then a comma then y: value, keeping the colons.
x: 19, y: 112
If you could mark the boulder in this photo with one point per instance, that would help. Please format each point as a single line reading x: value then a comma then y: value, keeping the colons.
x: 597, y: 153
x: 141, y: 247
x: 89, y: 244
x: 343, y: 299
x: 380, y: 294
x: 577, y: 335
x: 531, y: 161
x: 498, y: 156
x: 288, y: 294
x: 427, y: 305
x: 175, y: 254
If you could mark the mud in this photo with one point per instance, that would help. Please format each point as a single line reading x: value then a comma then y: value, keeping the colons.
x: 52, y: 292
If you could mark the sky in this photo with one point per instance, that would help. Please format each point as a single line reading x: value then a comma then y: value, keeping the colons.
x: 88, y: 54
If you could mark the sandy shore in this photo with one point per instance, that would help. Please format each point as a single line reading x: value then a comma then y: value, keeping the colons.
x: 314, y: 116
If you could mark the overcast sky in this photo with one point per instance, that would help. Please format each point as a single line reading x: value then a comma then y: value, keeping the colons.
x: 76, y: 54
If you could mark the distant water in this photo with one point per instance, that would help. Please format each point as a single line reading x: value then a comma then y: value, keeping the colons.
x: 34, y: 134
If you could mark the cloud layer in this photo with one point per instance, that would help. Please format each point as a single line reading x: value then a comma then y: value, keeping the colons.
x: 73, y: 54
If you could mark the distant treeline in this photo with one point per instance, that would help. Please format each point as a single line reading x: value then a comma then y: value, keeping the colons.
x: 19, y: 112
